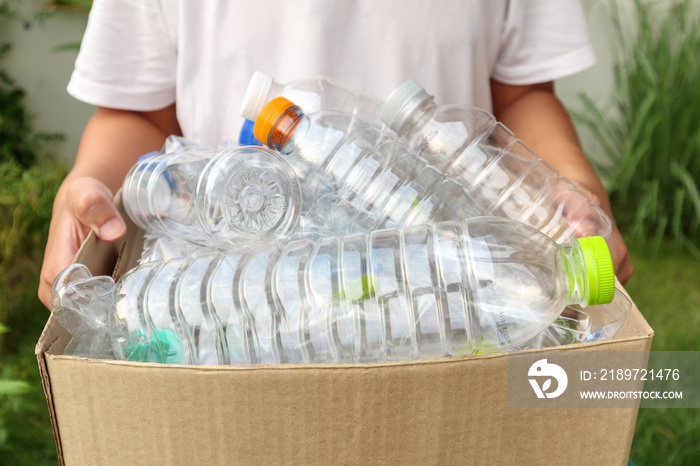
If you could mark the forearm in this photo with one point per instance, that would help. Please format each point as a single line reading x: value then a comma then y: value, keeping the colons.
x: 541, y: 121
x: 114, y: 139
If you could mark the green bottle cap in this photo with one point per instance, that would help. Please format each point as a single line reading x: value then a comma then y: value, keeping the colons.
x: 599, y: 269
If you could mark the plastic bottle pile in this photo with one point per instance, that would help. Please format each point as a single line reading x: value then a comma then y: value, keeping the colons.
x: 335, y: 242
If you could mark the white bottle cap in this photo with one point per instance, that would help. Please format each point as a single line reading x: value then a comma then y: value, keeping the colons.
x: 402, y: 102
x: 257, y: 95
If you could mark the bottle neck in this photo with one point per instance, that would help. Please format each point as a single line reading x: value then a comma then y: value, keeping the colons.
x: 572, y: 273
x: 275, y: 90
x: 418, y: 118
x: 284, y: 127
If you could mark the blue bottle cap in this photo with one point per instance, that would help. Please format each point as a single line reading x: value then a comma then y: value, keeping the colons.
x: 247, y: 138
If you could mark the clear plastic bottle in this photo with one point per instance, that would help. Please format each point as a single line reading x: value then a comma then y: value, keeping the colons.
x: 311, y: 94
x: 231, y: 195
x: 486, y: 284
x: 502, y: 174
x: 358, y: 177
x: 599, y: 323
x: 176, y: 144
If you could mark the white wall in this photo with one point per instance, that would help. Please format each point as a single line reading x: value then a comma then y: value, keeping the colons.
x: 44, y: 73
x: 596, y: 81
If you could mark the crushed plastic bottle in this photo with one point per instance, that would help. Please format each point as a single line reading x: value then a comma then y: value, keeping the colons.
x: 486, y: 284
x: 311, y: 94
x: 226, y: 196
x: 601, y: 322
x: 503, y: 175
x: 569, y: 328
x: 358, y: 177
x: 81, y: 303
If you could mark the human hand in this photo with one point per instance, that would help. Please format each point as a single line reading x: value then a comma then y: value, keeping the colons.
x: 81, y: 204
x: 622, y: 264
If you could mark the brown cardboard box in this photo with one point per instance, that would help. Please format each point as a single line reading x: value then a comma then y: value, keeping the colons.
x: 443, y: 411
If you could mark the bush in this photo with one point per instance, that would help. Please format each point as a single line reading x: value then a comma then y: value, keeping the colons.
x: 649, y: 133
x: 26, y: 201
x: 30, y: 181
x: 8, y: 387
x: 18, y: 141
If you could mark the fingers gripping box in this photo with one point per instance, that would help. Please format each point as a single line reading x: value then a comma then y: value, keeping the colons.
x: 440, y: 411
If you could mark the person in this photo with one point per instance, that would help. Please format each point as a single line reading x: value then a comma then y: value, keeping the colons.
x: 181, y: 67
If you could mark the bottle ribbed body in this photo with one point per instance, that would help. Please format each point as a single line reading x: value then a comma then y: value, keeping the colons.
x: 505, y: 177
x: 227, y: 196
x: 394, y: 294
x: 359, y: 178
x: 500, y: 172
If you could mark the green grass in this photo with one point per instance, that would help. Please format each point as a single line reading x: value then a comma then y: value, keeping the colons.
x: 26, y: 437
x: 665, y: 288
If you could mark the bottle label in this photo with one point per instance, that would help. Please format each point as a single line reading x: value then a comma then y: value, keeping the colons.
x: 502, y: 329
x: 426, y: 141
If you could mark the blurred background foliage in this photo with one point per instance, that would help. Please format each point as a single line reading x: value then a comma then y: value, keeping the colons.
x: 650, y: 133
x: 30, y: 178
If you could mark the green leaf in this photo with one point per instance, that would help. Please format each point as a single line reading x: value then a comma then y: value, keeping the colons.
x: 689, y: 183
x: 14, y: 387
x: 676, y: 226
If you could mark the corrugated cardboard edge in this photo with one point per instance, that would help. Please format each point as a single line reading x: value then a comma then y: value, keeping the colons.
x: 54, y: 340
x: 635, y: 324
x: 53, y: 352
x: 53, y: 334
x: 55, y: 360
x: 50, y: 334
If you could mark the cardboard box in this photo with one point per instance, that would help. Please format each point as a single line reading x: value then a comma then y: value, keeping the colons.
x: 442, y: 411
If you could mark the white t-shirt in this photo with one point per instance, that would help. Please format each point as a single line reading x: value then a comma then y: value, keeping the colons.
x: 147, y: 54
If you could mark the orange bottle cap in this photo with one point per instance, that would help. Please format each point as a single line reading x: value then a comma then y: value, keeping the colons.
x: 268, y: 117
